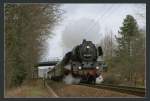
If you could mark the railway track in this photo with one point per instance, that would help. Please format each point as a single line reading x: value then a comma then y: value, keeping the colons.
x: 124, y: 89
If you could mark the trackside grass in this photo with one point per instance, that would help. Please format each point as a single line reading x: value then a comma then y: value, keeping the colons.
x: 34, y: 88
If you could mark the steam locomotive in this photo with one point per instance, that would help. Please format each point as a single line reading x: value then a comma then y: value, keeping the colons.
x: 83, y: 64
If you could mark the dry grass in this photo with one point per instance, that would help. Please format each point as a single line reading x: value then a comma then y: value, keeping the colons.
x: 31, y: 89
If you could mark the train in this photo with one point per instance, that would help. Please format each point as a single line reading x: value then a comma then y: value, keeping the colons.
x: 83, y: 64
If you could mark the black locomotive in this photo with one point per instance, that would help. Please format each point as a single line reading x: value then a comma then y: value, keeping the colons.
x: 84, y: 62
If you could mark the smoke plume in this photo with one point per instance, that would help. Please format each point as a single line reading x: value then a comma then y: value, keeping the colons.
x: 77, y: 30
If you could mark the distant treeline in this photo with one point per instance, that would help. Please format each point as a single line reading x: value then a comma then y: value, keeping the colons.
x: 125, y: 54
x: 26, y: 27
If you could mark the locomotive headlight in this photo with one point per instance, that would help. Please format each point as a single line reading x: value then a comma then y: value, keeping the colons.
x: 87, y: 46
x: 80, y: 67
x: 97, y: 67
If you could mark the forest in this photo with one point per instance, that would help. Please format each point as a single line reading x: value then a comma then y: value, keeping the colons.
x: 26, y: 28
x: 125, y: 54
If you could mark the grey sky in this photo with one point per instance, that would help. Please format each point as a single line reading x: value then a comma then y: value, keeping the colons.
x: 105, y: 17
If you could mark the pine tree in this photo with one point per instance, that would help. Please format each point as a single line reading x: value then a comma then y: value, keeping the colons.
x: 127, y: 43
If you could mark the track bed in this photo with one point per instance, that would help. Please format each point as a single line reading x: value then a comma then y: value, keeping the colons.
x: 63, y: 90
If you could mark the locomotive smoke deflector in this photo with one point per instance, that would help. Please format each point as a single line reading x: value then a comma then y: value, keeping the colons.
x: 100, y: 51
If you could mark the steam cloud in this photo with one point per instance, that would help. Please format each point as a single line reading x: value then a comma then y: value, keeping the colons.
x: 77, y: 30
x: 69, y: 79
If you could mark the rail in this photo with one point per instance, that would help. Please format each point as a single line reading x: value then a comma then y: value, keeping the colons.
x: 124, y: 89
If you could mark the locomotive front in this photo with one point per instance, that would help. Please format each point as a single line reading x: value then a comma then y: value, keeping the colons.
x: 87, y: 55
x: 86, y: 62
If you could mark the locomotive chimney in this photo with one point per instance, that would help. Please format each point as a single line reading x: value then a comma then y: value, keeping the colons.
x: 84, y: 40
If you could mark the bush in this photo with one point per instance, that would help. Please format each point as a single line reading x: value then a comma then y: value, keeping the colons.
x: 18, y: 77
x: 111, y: 79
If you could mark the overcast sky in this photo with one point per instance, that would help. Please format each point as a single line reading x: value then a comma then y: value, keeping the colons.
x: 90, y: 21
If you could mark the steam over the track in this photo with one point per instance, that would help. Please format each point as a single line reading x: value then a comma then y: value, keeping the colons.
x: 69, y: 79
x: 77, y: 30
